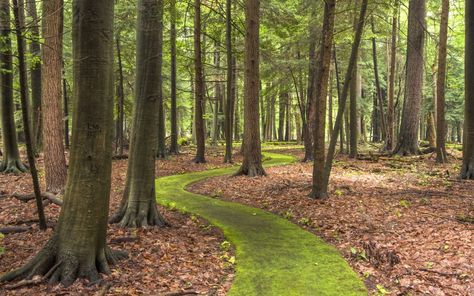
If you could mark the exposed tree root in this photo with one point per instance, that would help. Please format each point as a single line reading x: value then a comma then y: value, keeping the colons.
x: 14, y: 166
x: 47, y: 195
x: 199, y: 160
x: 57, y: 265
x: 253, y: 170
x: 467, y: 170
x: 120, y: 157
x: 141, y: 214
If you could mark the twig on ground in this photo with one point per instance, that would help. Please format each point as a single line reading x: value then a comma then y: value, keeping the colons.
x: 14, y: 229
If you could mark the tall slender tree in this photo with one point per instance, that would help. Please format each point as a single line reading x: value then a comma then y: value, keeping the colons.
x: 408, y: 136
x: 174, y: 148
x: 11, y: 156
x: 467, y: 170
x: 230, y: 89
x: 199, y: 87
x: 389, y: 141
x: 161, y: 149
x: 321, y: 99
x: 86, y: 202
x: 138, y: 206
x: 252, y: 163
x: 321, y: 178
x: 441, y: 154
x: 35, y: 72
x: 52, y: 115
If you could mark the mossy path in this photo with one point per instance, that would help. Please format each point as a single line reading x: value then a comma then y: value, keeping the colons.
x: 273, y: 256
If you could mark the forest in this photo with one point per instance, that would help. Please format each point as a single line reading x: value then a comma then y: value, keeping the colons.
x: 237, y: 147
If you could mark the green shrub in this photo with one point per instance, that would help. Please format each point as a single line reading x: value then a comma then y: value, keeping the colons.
x: 183, y: 141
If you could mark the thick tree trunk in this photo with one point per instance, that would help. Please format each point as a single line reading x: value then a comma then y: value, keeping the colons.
x: 174, y: 148
x: 84, y: 213
x: 252, y: 163
x: 389, y: 141
x: 467, y: 170
x: 11, y: 156
x: 138, y: 206
x: 199, y: 87
x: 230, y: 90
x: 408, y: 137
x: 35, y: 73
x: 54, y: 157
x: 354, y: 127
x: 319, y: 188
x: 441, y: 154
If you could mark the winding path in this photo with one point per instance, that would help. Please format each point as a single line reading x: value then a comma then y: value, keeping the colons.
x: 274, y: 256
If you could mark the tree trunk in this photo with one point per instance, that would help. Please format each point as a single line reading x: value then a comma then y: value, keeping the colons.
x: 174, y: 148
x: 217, y: 95
x: 323, y: 180
x: 11, y: 156
x: 84, y: 213
x: 353, y: 107
x: 199, y: 87
x: 408, y: 137
x: 252, y: 163
x: 121, y: 98
x: 441, y: 154
x: 389, y: 141
x: 53, y: 142
x: 161, y: 141
x: 19, y: 25
x: 467, y: 170
x: 379, y: 112
x: 66, y: 112
x: 230, y: 95
x: 35, y: 74
x: 138, y: 206
x: 318, y: 190
x: 282, y: 112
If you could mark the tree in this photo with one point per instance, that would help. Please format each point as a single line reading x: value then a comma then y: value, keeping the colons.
x: 408, y: 136
x: 467, y: 170
x: 161, y: 150
x: 174, y: 149
x: 354, y: 98
x: 52, y: 115
x: 252, y: 163
x: 35, y: 70
x: 230, y: 89
x: 321, y: 99
x: 321, y: 177
x: 86, y: 202
x: 389, y: 141
x: 11, y: 155
x: 199, y: 87
x: 119, y: 143
x: 138, y: 206
x: 441, y: 154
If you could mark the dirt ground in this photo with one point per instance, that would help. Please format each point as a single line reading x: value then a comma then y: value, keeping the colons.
x: 400, y: 222
x: 188, y: 256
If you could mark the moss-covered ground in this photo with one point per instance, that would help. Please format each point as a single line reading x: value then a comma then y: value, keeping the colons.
x: 273, y: 256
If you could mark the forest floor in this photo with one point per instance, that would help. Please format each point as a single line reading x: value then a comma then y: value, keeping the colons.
x: 188, y: 256
x: 398, y: 221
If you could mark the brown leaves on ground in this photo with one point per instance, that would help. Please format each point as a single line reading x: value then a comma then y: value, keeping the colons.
x: 394, y: 220
x: 184, y: 257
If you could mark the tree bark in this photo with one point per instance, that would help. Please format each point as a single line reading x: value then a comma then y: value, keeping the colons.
x: 86, y: 202
x: 161, y: 144
x: 467, y: 170
x: 199, y: 87
x: 252, y: 163
x: 19, y: 25
x: 353, y: 107
x: 408, y: 137
x: 11, y: 156
x: 35, y: 74
x: 318, y: 190
x: 230, y: 95
x: 121, y: 98
x: 174, y: 148
x: 380, y: 113
x: 138, y: 206
x: 389, y: 142
x: 52, y: 115
x: 441, y: 154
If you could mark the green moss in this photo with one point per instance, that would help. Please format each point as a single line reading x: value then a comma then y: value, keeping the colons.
x: 273, y: 256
